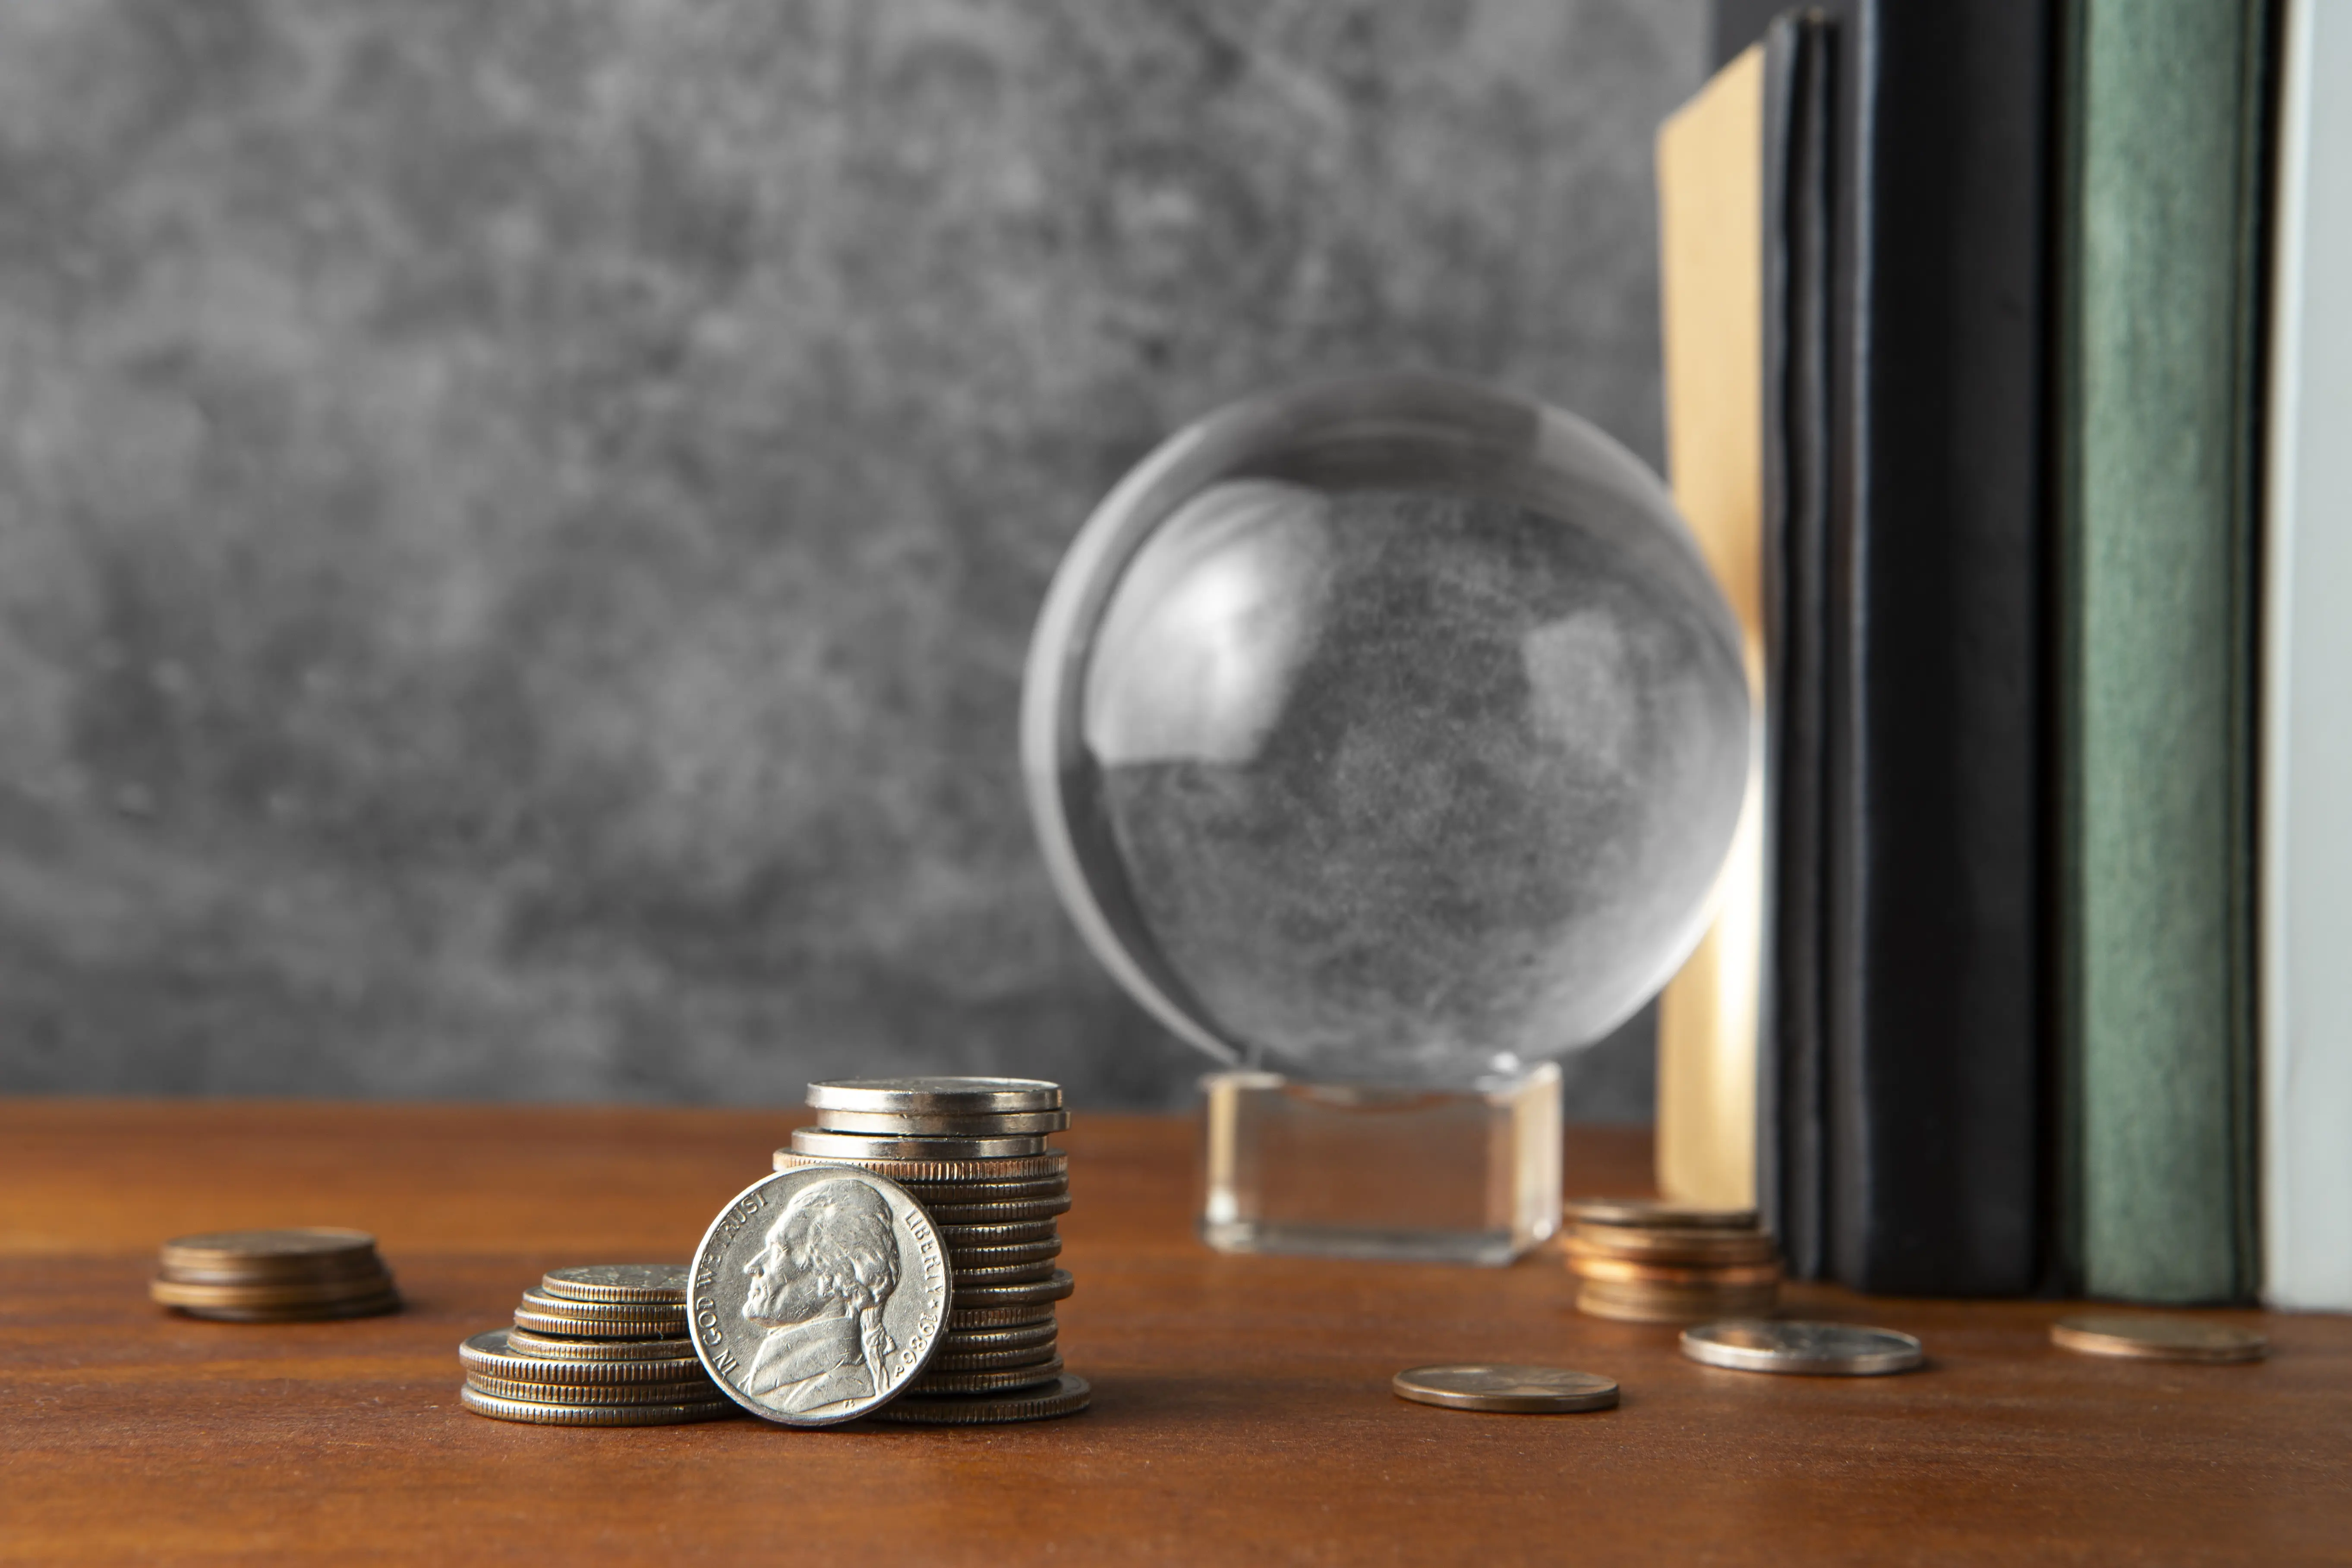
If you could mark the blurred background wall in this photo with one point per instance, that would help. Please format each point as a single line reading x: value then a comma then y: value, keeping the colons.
x: 520, y: 521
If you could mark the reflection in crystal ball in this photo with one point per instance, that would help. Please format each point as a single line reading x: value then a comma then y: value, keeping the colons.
x: 1378, y: 760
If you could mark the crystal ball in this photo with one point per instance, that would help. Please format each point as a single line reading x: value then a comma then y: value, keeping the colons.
x: 1387, y: 730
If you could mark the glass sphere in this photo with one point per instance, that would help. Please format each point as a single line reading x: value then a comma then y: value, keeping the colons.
x: 1391, y: 729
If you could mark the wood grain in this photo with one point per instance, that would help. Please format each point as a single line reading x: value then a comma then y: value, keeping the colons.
x: 1242, y: 1415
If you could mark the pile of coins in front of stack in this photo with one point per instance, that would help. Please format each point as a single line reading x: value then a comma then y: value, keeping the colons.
x: 973, y: 1151
x: 1643, y: 1262
x: 303, y: 1274
x: 600, y: 1345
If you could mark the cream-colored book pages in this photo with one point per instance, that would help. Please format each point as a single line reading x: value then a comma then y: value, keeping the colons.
x: 1711, y: 222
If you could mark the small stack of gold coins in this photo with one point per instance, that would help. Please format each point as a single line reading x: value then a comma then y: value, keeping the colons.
x: 973, y: 1151
x: 1644, y: 1262
x: 601, y: 1345
x: 275, y: 1276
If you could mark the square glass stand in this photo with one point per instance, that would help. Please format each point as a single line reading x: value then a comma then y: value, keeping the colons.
x: 1414, y: 1173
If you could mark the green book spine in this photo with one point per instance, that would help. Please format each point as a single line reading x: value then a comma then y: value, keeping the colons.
x: 2159, y: 366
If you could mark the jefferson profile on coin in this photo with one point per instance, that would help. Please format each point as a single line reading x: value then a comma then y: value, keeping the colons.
x: 819, y: 1286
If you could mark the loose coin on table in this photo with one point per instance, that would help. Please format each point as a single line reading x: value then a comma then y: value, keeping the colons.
x: 2142, y: 1336
x: 1834, y: 1350
x: 818, y: 1294
x: 1514, y: 1390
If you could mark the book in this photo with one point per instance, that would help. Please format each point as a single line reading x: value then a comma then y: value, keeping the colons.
x: 2159, y: 361
x: 2305, y: 900
x: 1917, y: 1145
x: 1711, y: 192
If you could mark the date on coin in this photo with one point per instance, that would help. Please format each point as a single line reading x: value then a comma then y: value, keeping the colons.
x: 818, y: 1294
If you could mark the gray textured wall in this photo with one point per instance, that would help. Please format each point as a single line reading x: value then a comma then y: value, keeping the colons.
x: 520, y: 521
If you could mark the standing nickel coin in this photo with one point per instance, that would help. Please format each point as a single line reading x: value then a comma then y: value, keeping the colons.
x: 2143, y: 1337
x: 817, y: 1295
x: 1836, y: 1350
x: 1523, y: 1390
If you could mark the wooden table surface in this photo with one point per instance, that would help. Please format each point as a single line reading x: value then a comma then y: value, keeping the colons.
x: 1242, y: 1410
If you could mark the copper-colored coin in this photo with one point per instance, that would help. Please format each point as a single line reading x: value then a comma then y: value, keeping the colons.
x: 987, y: 1379
x: 678, y: 1391
x: 1662, y: 1304
x: 923, y: 1171
x: 1654, y: 1213
x: 2142, y: 1336
x: 1682, y: 1246
x: 537, y: 1413
x: 252, y: 1251
x: 327, y: 1311
x: 260, y: 1297
x: 1618, y: 1271
x: 1067, y: 1395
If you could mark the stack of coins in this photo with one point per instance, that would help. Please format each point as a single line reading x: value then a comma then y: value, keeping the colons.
x: 600, y: 1345
x: 973, y: 1151
x: 275, y: 1276
x: 1644, y: 1262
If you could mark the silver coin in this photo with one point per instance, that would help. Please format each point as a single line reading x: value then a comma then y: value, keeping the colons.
x: 654, y: 1284
x: 912, y: 1124
x: 1067, y: 1395
x: 1766, y: 1344
x: 959, y: 1236
x: 541, y: 1413
x: 494, y: 1355
x: 568, y: 1347
x: 1056, y: 1285
x: 818, y: 1294
x: 1008, y: 1213
x: 936, y: 1096
x: 968, y: 1256
x: 1518, y: 1390
x: 678, y: 1391
x: 871, y: 1146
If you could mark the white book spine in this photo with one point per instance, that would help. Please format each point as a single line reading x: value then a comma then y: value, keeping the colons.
x: 2306, y: 806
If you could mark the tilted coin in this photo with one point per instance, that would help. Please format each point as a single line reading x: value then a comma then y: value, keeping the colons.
x: 557, y: 1347
x: 1684, y: 1245
x: 540, y: 1412
x: 1623, y: 1271
x: 1655, y: 1213
x: 1840, y: 1350
x: 1020, y: 1234
x: 1067, y: 1395
x: 2144, y: 1337
x: 818, y: 1295
x: 987, y: 1175
x: 493, y: 1355
x: 936, y: 1096
x: 952, y: 1359
x: 871, y: 1146
x: 1020, y: 1315
x: 1519, y: 1390
x: 988, y: 1380
x: 970, y: 1276
x: 655, y: 1284
x: 1054, y: 1286
x: 909, y: 1124
x: 1011, y: 1256
x: 678, y: 1391
x: 1024, y: 1336
x: 294, y: 1247
x: 996, y: 1213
